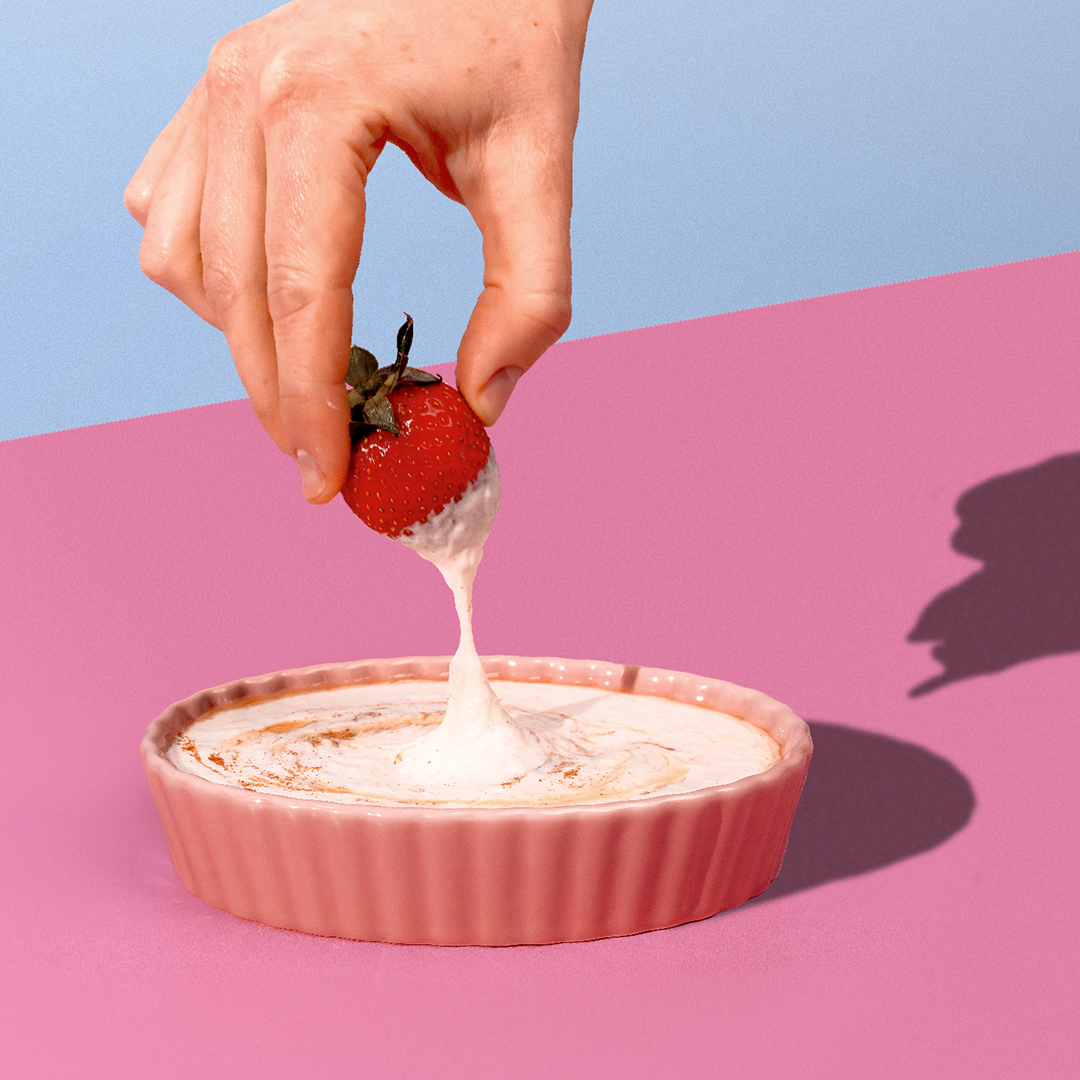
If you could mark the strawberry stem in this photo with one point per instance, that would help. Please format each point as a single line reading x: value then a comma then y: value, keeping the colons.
x: 369, y: 397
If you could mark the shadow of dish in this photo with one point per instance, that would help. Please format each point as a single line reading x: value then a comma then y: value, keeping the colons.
x: 1025, y: 603
x: 869, y: 801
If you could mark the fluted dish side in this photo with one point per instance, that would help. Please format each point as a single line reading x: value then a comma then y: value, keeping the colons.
x: 487, y: 875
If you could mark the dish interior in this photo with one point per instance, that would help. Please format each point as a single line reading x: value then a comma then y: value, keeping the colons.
x: 343, y: 744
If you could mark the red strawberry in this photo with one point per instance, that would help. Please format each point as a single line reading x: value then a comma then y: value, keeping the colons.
x: 416, y: 443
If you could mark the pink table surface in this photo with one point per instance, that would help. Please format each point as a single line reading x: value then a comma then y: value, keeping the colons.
x: 767, y: 497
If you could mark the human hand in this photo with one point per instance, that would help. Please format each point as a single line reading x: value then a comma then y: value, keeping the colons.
x: 252, y: 198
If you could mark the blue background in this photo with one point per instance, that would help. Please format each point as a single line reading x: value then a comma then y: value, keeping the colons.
x: 728, y: 156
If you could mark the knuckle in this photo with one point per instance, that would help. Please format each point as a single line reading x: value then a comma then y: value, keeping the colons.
x: 288, y: 292
x: 286, y: 81
x: 231, y: 60
x: 551, y: 308
x: 222, y: 286
x: 137, y: 200
x: 155, y: 262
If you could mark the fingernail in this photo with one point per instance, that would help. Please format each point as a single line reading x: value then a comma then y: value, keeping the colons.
x: 311, y: 475
x: 496, y: 393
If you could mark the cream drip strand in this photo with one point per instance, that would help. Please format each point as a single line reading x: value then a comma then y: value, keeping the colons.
x: 477, y: 741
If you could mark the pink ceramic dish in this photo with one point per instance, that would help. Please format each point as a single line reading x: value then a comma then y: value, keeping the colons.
x: 486, y: 875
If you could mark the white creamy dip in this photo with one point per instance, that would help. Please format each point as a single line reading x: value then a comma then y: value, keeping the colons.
x: 408, y: 742
x: 343, y: 744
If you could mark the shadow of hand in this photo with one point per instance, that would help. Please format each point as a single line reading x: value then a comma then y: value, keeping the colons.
x: 1025, y: 602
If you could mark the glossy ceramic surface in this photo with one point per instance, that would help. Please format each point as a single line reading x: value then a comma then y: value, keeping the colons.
x: 483, y: 876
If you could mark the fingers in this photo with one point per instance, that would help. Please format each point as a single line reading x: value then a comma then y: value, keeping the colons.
x: 521, y: 201
x: 170, y: 253
x: 231, y: 228
x: 317, y: 166
x: 253, y: 202
x: 140, y: 190
x: 254, y: 218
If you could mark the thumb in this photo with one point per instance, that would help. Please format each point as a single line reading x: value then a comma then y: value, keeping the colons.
x: 521, y: 203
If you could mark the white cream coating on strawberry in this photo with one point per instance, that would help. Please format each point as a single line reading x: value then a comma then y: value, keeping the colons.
x: 477, y: 743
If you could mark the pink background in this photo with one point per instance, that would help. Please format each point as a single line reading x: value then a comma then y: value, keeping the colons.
x: 767, y: 497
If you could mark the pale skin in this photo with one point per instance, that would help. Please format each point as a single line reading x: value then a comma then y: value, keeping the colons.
x: 252, y: 199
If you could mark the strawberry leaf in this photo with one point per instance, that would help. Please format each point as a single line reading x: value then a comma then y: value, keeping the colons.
x: 378, y: 412
x: 405, y: 335
x: 362, y: 365
x: 418, y: 375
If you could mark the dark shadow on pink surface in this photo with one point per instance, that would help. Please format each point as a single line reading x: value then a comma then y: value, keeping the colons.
x: 869, y: 801
x: 1025, y: 602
